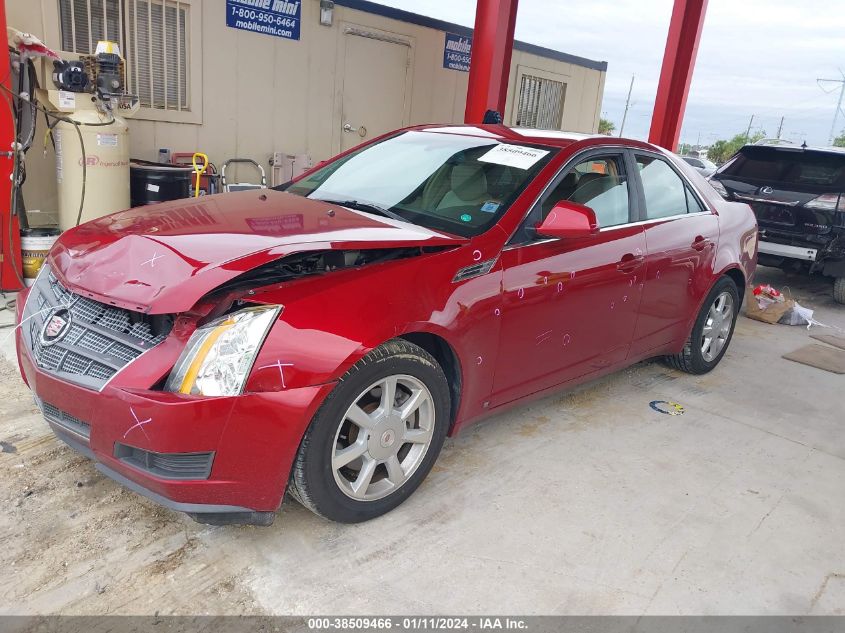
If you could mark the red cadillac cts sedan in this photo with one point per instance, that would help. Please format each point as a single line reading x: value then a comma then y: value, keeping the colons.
x: 323, y: 338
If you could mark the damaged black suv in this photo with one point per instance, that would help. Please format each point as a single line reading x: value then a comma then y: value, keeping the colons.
x: 798, y: 196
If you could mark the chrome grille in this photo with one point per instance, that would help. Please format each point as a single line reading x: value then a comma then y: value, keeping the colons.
x: 93, y: 341
x: 100, y: 341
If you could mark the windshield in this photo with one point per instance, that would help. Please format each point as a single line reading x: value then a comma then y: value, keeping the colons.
x: 459, y: 184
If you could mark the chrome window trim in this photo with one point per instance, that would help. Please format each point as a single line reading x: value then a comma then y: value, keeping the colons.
x: 613, y: 228
x: 677, y: 216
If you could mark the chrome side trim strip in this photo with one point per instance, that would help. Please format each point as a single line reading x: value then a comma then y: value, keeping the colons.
x: 474, y: 270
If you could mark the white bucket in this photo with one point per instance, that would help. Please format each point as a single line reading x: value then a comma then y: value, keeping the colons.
x: 34, y: 249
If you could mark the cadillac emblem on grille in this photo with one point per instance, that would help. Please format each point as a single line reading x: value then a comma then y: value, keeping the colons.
x: 56, y: 326
x: 83, y: 341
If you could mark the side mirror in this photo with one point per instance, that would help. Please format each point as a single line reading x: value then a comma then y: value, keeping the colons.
x: 569, y: 219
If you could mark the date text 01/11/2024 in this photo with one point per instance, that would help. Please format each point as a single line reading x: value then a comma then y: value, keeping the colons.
x: 422, y: 623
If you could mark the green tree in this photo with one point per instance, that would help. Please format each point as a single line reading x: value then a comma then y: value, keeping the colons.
x: 606, y: 126
x: 719, y: 152
x: 839, y: 141
x: 722, y: 150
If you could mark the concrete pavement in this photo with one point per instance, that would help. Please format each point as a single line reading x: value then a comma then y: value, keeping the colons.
x: 582, y: 503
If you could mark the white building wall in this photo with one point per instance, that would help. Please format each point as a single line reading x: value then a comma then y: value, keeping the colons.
x: 261, y: 94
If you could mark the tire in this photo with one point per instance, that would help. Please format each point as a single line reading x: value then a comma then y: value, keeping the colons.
x: 839, y: 290
x: 353, y: 419
x: 693, y: 359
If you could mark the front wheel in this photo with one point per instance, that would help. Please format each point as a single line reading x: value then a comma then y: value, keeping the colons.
x: 712, y: 331
x: 376, y: 437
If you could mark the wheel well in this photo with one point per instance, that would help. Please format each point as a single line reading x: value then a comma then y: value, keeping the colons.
x: 739, y: 280
x: 448, y: 360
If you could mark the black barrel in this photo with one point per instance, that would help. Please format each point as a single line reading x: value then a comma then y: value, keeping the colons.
x: 154, y: 182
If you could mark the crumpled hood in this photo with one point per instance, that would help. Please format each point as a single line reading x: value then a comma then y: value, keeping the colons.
x: 163, y: 258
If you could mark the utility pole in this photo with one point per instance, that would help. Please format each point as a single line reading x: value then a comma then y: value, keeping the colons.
x: 780, y: 127
x: 748, y: 131
x: 627, y: 104
x: 838, y: 105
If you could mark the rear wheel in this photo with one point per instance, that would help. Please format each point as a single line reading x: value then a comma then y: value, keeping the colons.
x: 376, y: 437
x: 712, y: 331
x: 839, y: 290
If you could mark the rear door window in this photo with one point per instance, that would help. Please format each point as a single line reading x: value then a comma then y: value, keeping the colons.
x: 665, y: 192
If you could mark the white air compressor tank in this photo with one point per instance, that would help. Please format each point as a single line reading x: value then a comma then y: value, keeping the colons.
x: 105, y: 138
x: 98, y: 109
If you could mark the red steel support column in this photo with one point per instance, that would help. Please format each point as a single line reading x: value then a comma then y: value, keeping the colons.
x: 10, y: 238
x: 676, y: 74
x: 492, y: 45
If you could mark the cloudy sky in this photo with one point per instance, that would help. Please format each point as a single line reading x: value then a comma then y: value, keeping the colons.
x: 757, y: 57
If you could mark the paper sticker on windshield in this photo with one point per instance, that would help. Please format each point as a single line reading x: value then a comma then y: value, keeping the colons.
x: 513, y: 156
x: 491, y: 206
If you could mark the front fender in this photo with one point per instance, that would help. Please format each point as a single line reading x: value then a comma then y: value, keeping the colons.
x: 330, y: 322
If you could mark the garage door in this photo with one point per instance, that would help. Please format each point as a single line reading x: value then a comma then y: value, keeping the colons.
x: 374, y: 85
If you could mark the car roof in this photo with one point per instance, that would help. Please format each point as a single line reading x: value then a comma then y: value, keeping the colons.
x: 556, y: 138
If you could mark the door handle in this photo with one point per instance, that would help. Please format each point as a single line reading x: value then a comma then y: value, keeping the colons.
x: 700, y: 243
x: 361, y: 131
x: 629, y: 262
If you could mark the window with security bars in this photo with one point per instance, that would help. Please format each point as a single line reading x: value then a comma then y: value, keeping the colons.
x: 85, y: 22
x: 540, y: 103
x: 153, y: 37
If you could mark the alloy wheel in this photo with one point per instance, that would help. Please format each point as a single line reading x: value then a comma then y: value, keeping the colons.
x: 383, y: 437
x: 717, y: 326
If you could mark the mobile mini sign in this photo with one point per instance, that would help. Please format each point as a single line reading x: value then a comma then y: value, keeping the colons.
x: 457, y: 50
x: 271, y: 17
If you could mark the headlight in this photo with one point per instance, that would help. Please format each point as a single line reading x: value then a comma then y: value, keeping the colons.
x: 220, y: 354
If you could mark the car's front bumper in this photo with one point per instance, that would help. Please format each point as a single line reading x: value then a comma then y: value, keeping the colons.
x: 252, y: 439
